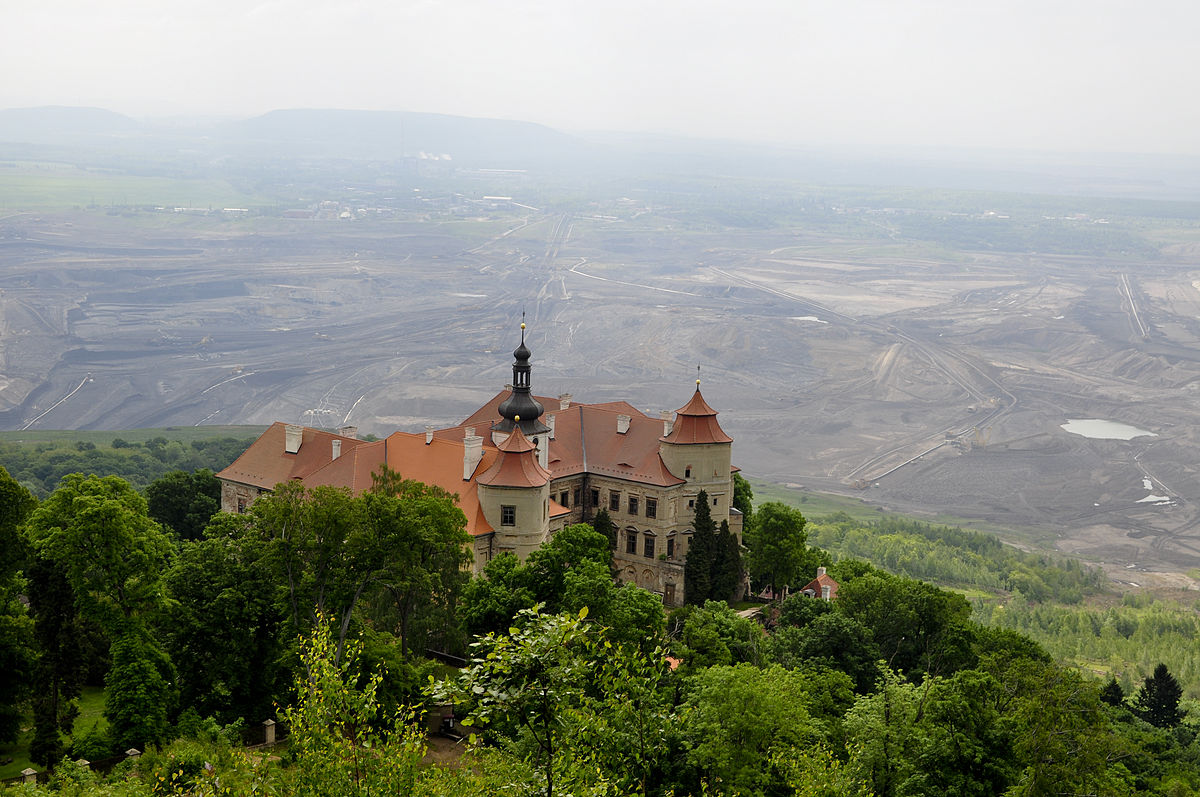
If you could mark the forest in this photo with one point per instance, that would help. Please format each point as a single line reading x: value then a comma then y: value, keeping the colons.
x: 320, y: 609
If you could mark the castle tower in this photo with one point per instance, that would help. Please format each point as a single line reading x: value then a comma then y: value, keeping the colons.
x: 698, y: 451
x: 521, y: 409
x: 514, y: 494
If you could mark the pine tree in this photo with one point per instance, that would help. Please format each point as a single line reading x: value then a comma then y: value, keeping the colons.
x: 726, y: 573
x: 1157, y: 702
x: 603, y: 524
x: 697, y: 569
x: 1112, y: 693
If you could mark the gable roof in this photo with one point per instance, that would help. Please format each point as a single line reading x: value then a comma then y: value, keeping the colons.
x: 265, y: 464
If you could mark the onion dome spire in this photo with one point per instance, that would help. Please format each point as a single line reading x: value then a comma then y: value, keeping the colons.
x: 521, y: 408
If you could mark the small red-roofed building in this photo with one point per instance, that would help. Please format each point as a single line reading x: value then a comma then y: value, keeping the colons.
x: 823, y: 586
x: 522, y: 472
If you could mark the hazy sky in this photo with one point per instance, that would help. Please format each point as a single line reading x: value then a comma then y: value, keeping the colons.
x: 1044, y: 74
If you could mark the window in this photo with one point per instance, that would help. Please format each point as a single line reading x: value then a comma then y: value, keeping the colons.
x: 651, y: 507
x: 687, y: 472
x: 631, y: 542
x: 595, y: 497
x: 508, y: 515
x: 562, y: 498
x: 691, y: 503
x: 714, y: 502
x: 575, y: 498
x: 648, y: 547
x: 241, y: 506
x: 633, y: 504
x: 614, y: 501
x: 670, y: 547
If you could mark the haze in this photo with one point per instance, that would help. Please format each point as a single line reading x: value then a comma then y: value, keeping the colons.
x: 1065, y: 76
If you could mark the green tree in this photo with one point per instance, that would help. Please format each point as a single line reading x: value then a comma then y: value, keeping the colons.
x: 223, y: 626
x: 697, y: 568
x: 139, y: 697
x: 112, y: 553
x: 833, y: 640
x: 726, y: 576
x: 492, y: 599
x: 714, y: 634
x: 918, y: 627
x: 1157, y: 701
x: 528, y: 680
x: 114, y: 556
x: 59, y: 673
x: 778, y: 555
x: 413, y: 544
x: 736, y: 718
x: 184, y: 502
x: 336, y: 742
x: 603, y: 524
x: 568, y: 549
x: 882, y: 733
x: 743, y: 496
x: 16, y: 630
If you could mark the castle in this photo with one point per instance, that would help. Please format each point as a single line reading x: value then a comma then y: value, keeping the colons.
x: 522, y: 472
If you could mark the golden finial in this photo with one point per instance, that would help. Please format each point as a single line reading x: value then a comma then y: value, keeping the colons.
x: 522, y: 325
x: 517, y: 418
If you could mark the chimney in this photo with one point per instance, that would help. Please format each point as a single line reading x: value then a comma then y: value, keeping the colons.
x: 337, y: 448
x: 550, y: 423
x: 820, y: 572
x: 564, y: 400
x: 293, y: 436
x: 428, y: 435
x: 472, y: 452
x: 349, y: 431
x: 826, y: 592
x: 667, y: 424
x: 623, y: 423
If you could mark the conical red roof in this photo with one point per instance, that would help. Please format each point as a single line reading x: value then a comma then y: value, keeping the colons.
x: 517, y: 465
x: 696, y: 423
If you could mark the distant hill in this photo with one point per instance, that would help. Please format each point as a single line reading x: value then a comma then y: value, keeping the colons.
x: 494, y: 143
x: 58, y: 124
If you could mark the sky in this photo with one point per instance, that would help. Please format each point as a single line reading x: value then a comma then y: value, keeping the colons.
x: 1052, y: 75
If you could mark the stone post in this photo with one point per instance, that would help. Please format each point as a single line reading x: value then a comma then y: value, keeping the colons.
x: 29, y: 775
x: 83, y: 762
x: 269, y: 728
x: 133, y: 753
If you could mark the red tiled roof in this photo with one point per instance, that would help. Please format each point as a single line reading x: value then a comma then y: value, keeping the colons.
x: 696, y: 422
x: 823, y: 580
x: 516, y: 465
x: 265, y: 463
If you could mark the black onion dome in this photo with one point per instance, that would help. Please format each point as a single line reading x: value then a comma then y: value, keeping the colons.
x: 521, y: 404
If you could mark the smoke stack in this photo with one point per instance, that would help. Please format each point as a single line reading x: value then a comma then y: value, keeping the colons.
x: 472, y: 452
x: 293, y: 436
x: 623, y: 423
x: 337, y: 448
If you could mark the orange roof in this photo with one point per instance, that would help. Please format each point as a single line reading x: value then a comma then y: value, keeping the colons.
x: 822, y: 580
x: 516, y: 465
x: 586, y: 439
x: 265, y: 463
x: 696, y: 422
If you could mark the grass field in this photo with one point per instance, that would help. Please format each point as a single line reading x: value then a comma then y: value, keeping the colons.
x: 53, y: 186
x: 817, y: 505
